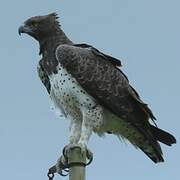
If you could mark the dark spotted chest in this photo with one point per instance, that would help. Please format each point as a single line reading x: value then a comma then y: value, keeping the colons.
x: 71, y: 96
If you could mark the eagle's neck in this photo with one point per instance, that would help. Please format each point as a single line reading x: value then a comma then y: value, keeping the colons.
x: 48, y: 49
x: 50, y: 43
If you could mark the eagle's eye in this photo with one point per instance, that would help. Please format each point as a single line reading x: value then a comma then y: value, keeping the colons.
x: 34, y: 24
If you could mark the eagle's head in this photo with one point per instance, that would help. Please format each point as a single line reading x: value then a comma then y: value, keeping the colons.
x: 40, y: 27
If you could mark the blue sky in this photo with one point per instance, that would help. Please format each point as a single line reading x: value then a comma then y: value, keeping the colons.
x: 144, y: 34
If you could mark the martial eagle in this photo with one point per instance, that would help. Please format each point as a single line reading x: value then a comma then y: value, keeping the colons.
x: 91, y: 90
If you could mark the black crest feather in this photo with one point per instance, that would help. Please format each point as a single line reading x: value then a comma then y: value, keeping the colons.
x: 54, y: 14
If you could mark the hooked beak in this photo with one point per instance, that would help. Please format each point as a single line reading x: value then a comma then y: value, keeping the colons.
x: 25, y: 29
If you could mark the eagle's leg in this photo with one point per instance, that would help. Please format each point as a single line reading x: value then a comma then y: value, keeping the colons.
x: 75, y: 131
x: 79, y: 136
x: 74, y: 135
x: 92, y: 119
x: 80, y: 132
x: 86, y: 131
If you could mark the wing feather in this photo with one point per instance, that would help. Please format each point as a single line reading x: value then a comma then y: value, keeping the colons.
x: 105, y: 82
x: 110, y: 87
x: 113, y: 60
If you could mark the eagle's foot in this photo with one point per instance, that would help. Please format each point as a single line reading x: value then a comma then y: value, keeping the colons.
x: 69, y: 147
x: 83, y: 148
x: 62, y: 166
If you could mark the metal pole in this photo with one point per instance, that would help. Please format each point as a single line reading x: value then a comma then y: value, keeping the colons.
x: 77, y: 163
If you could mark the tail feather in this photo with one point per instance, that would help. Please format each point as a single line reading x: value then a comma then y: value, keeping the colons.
x: 156, y: 159
x: 153, y: 151
x: 152, y: 148
x: 163, y: 136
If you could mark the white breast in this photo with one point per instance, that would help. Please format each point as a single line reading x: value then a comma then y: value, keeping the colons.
x: 67, y: 95
x: 70, y: 99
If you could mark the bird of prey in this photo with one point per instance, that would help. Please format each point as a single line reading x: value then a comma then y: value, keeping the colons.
x: 89, y: 88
